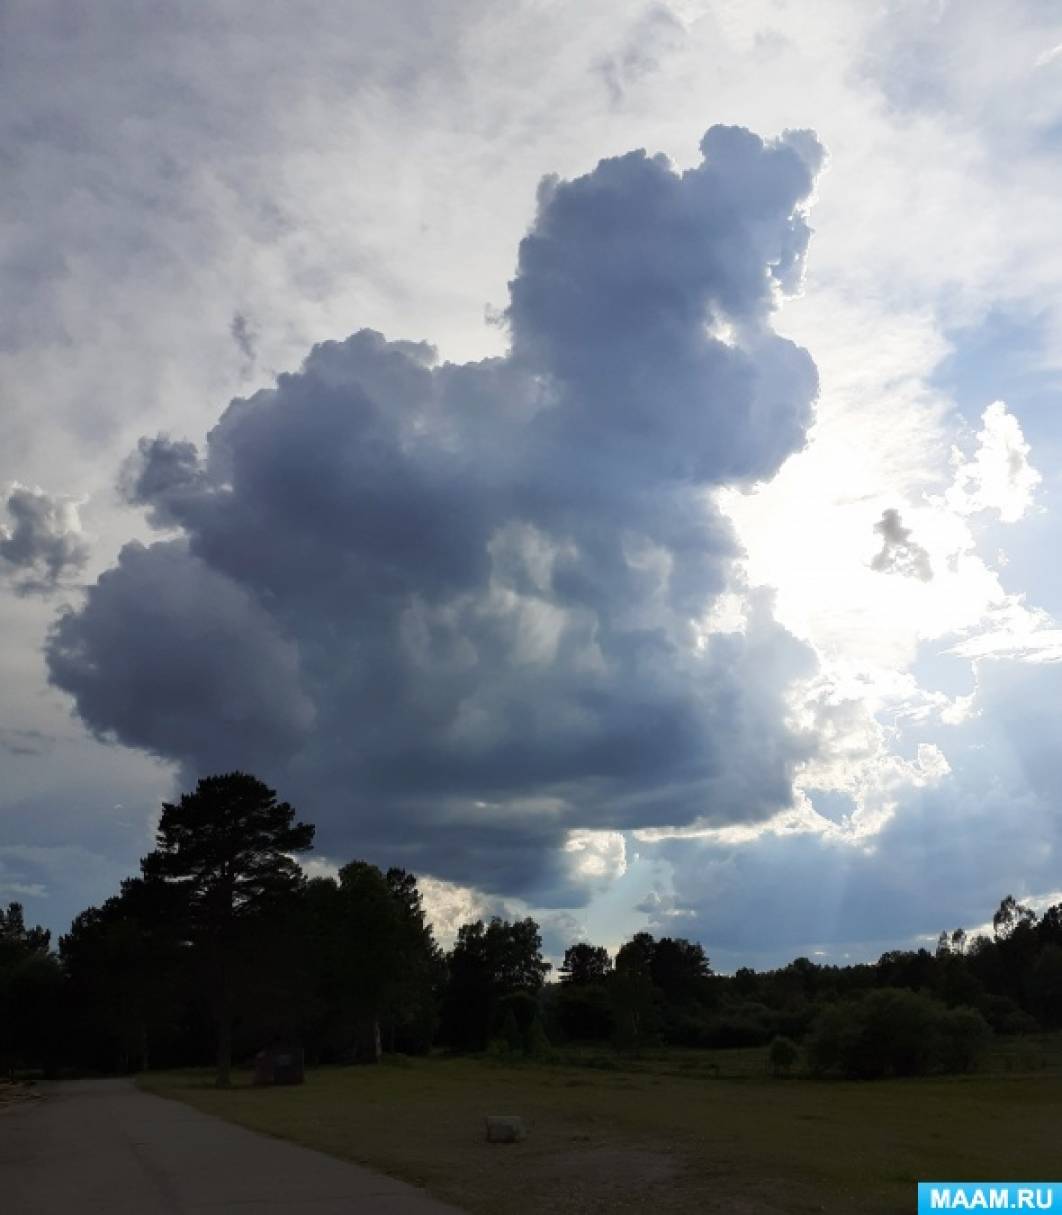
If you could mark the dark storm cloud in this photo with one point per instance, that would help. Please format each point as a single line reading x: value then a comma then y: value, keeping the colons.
x: 899, y: 553
x: 158, y: 475
x: 450, y: 609
x: 43, y: 543
x: 198, y: 666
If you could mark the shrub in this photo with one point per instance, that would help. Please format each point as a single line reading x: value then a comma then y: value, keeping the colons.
x: 896, y: 1032
x: 747, y: 1024
x: 510, y: 1032
x: 782, y: 1055
x: 1004, y: 1016
x: 536, y: 1043
x: 583, y: 1013
x: 963, y: 1037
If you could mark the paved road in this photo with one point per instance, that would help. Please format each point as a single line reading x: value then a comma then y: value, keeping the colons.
x: 102, y: 1145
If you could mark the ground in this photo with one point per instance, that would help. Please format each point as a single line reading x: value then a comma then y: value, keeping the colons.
x: 12, y: 1093
x: 680, y: 1131
x: 101, y: 1147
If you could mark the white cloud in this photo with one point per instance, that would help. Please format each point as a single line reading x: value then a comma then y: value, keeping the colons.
x: 448, y: 905
x: 999, y: 477
x: 596, y: 856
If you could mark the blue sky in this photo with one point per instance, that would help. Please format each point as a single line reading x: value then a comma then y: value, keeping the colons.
x: 607, y: 520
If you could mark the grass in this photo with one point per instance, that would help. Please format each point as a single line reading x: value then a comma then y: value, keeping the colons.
x: 675, y: 1131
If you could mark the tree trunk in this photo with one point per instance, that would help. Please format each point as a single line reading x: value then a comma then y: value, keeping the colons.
x: 367, y: 1044
x: 224, y: 1078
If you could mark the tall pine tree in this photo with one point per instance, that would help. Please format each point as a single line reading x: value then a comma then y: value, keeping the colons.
x: 227, y: 848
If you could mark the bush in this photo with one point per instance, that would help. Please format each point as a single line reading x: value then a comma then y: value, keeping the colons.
x: 963, y: 1037
x: 782, y: 1055
x: 583, y: 1013
x: 892, y: 1031
x: 510, y: 1032
x: 1004, y: 1016
x: 536, y: 1043
x: 747, y: 1024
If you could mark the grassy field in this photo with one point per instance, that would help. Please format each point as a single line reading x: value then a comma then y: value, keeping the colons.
x: 679, y: 1131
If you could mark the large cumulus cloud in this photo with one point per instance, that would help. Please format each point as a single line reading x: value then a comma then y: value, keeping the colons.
x: 455, y: 611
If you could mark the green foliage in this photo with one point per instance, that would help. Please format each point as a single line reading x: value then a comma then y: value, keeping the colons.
x: 1010, y: 917
x: 223, y: 925
x: 536, y: 1042
x: 962, y: 1037
x: 1045, y: 986
x: 585, y: 964
x: 126, y: 963
x: 226, y: 848
x: 896, y: 1032
x: 583, y: 1012
x: 782, y: 1055
x: 510, y: 1032
x: 489, y: 964
x: 30, y: 995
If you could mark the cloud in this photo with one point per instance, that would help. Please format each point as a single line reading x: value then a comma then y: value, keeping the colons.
x: 44, y: 543
x: 24, y: 742
x: 899, y: 553
x: 974, y: 819
x: 448, y: 905
x: 999, y: 477
x: 37, y: 876
x: 245, y: 336
x: 450, y: 609
x: 654, y: 35
x: 171, y: 656
x: 158, y: 475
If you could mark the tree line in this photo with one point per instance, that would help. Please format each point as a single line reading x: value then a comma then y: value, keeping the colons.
x: 222, y: 946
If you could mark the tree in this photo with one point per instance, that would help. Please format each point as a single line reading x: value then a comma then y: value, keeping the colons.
x: 125, y: 966
x: 582, y: 1005
x: 1010, y: 917
x: 635, y: 958
x: 1050, y: 926
x: 679, y: 968
x: 384, y: 963
x: 1045, y: 986
x: 585, y: 963
x: 488, y: 963
x: 410, y: 1013
x: 631, y: 991
x: 15, y: 938
x: 30, y: 987
x: 227, y: 848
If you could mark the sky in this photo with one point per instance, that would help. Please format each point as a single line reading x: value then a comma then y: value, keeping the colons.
x: 601, y: 457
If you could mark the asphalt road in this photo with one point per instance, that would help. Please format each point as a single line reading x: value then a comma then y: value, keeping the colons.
x: 102, y: 1145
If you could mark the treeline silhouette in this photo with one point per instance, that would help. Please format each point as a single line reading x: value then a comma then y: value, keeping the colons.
x: 222, y: 946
